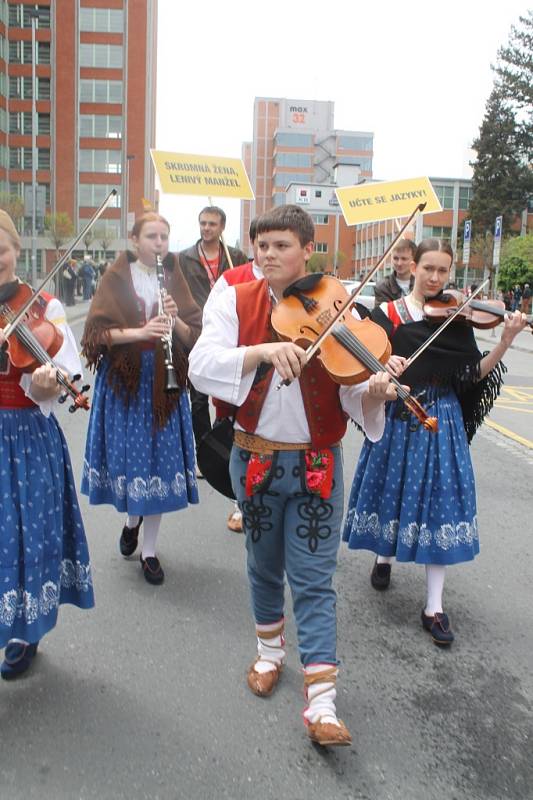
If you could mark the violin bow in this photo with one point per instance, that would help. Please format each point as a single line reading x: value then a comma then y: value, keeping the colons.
x: 445, y: 324
x: 10, y: 327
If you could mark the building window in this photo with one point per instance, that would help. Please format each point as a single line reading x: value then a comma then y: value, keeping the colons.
x: 101, y: 161
x: 284, y: 178
x: 445, y: 195
x: 436, y: 232
x: 21, y: 52
x: 359, y: 161
x: 294, y: 139
x: 321, y: 247
x: 105, y: 231
x: 17, y: 189
x: 102, y: 20
x: 20, y: 122
x: 294, y: 160
x: 96, y: 91
x: 94, y: 194
x: 465, y: 197
x: 320, y: 219
x: 101, y: 55
x: 3, y: 120
x: 20, y: 158
x: 19, y: 15
x: 20, y: 88
x: 3, y: 48
x: 355, y: 142
x: 100, y: 126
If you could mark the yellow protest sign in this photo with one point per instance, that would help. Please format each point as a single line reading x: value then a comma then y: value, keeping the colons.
x: 182, y: 173
x: 372, y: 202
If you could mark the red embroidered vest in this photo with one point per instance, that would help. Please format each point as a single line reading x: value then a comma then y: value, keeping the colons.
x: 325, y: 417
x: 242, y: 274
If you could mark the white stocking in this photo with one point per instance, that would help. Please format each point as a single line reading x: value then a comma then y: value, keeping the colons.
x: 269, y: 648
x: 385, y: 559
x: 132, y: 521
x: 321, y: 695
x: 435, y: 574
x: 150, y: 530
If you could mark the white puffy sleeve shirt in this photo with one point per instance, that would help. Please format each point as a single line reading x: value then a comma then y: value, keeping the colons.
x: 215, y: 368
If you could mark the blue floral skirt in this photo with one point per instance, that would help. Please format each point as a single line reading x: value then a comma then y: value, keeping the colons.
x: 44, y: 558
x: 130, y: 464
x: 413, y: 494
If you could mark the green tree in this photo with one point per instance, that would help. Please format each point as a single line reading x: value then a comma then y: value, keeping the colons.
x: 516, y: 263
x: 14, y: 205
x: 501, y: 182
x: 317, y: 263
x: 59, y: 227
x: 514, y: 71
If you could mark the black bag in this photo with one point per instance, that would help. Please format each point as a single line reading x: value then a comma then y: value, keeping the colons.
x: 213, y: 456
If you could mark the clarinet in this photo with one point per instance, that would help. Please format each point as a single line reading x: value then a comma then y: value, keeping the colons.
x: 171, y: 382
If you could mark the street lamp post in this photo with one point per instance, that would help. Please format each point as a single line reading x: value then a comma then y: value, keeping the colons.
x: 125, y: 200
x: 34, y: 155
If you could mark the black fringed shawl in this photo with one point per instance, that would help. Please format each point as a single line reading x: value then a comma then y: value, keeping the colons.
x: 452, y: 361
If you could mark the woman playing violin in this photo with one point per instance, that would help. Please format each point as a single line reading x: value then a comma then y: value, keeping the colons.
x: 44, y: 559
x: 139, y: 454
x: 413, y: 495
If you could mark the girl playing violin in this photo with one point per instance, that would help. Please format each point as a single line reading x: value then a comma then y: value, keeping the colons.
x: 44, y: 559
x: 286, y: 464
x: 413, y: 495
x: 139, y: 454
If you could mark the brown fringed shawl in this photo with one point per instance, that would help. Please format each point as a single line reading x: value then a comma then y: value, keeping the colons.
x: 114, y: 306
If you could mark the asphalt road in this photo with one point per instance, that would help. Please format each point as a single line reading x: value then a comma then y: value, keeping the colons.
x: 145, y: 696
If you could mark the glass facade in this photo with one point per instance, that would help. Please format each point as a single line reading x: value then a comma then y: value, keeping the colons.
x: 100, y: 161
x: 293, y: 160
x: 465, y: 197
x: 284, y: 178
x: 101, y: 55
x: 445, y: 195
x: 100, y: 126
x: 102, y: 20
x: 355, y: 142
x: 94, y: 194
x: 294, y: 139
x: 100, y: 91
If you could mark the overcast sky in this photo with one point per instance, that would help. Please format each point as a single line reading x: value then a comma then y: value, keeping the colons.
x: 416, y: 74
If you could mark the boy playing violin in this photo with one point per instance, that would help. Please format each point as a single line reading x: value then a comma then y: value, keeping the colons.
x: 286, y: 464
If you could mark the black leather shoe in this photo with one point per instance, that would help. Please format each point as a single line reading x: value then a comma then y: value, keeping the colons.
x: 18, y: 658
x: 152, y: 570
x: 439, y: 627
x: 129, y: 538
x: 380, y: 576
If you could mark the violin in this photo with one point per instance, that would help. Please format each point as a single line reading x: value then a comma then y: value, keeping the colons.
x: 478, y: 314
x: 354, y: 350
x: 35, y: 341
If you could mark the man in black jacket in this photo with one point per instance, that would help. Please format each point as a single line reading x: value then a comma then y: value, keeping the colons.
x: 201, y: 265
x: 400, y: 282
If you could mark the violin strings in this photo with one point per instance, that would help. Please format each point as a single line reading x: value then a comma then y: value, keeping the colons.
x: 36, y: 349
x: 350, y: 340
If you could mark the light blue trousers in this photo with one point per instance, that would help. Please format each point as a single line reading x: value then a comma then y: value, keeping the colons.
x: 290, y: 530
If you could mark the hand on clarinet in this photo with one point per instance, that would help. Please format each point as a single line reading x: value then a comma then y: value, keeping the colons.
x: 155, y: 328
x: 170, y: 306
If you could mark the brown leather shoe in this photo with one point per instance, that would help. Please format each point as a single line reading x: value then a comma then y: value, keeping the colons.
x: 263, y: 683
x: 329, y: 735
x: 235, y: 521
